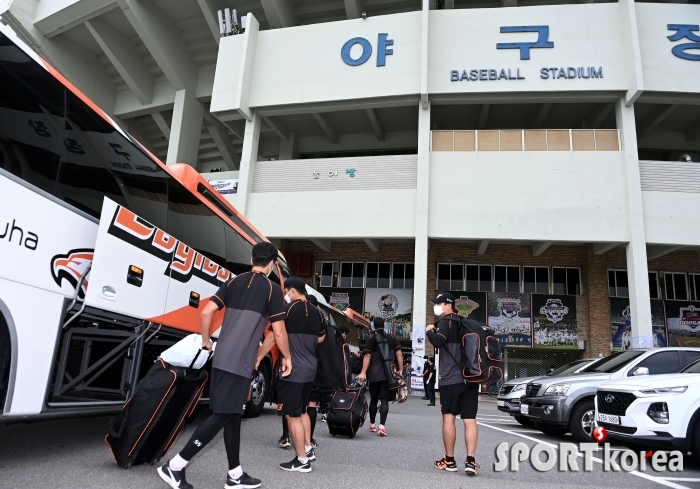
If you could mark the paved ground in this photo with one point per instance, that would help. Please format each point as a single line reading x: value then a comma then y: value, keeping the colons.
x: 72, y: 454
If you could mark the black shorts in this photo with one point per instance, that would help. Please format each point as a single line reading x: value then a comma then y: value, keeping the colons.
x: 294, y: 397
x: 460, y: 399
x: 228, y: 393
x: 315, y: 396
x: 380, y: 390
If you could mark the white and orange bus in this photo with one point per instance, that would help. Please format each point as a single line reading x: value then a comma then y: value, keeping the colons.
x: 107, y: 254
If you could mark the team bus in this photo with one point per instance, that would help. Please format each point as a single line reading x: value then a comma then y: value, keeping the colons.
x: 107, y: 254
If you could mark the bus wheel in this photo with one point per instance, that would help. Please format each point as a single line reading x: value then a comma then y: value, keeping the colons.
x: 258, y: 393
x: 5, y: 356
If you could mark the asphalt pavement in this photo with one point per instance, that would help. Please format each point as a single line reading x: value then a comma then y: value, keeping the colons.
x: 72, y: 454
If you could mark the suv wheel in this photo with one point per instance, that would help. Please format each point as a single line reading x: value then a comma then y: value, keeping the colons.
x: 695, y: 442
x: 258, y: 392
x: 523, y: 420
x: 582, y: 421
x: 549, y: 429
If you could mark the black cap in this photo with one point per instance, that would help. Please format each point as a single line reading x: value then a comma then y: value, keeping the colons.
x: 444, y: 298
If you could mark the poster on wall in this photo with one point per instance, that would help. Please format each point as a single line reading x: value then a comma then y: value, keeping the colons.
x: 554, y: 321
x: 395, y: 306
x: 418, y: 346
x: 343, y: 297
x: 683, y: 319
x: 225, y: 186
x: 621, y: 320
x: 471, y: 305
x: 509, y: 316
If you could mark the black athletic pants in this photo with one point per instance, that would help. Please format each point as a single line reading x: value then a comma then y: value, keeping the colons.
x: 231, y: 423
x: 383, y: 410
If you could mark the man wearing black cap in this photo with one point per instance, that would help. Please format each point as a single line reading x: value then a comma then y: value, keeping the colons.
x: 456, y: 396
x: 377, y: 376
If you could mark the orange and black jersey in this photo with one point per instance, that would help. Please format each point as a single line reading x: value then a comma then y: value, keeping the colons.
x: 251, y: 300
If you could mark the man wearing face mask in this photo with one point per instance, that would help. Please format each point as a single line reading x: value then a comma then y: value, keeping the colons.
x: 305, y: 327
x: 456, y: 396
x: 251, y: 300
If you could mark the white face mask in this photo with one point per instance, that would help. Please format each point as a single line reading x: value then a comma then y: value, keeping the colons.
x: 287, y: 299
x: 437, y: 309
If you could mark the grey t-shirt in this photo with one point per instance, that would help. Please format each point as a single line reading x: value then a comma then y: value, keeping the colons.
x: 305, y: 325
x: 251, y: 300
x: 446, y: 337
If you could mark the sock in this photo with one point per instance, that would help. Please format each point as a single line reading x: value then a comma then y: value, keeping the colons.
x: 470, y: 459
x: 236, y: 473
x: 449, y: 459
x: 177, y: 463
x: 303, y: 460
x: 307, y: 448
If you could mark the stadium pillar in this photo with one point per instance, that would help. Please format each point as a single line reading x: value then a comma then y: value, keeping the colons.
x: 637, y: 270
x: 185, y: 129
x: 420, y: 286
x: 249, y: 156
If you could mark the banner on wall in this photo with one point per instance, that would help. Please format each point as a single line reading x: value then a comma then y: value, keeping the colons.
x: 683, y: 319
x: 395, y: 306
x: 343, y: 297
x: 418, y: 345
x: 554, y: 321
x: 225, y: 186
x: 471, y: 305
x: 621, y: 320
x: 509, y: 316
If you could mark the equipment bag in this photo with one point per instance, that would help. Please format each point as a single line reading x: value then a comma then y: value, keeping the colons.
x: 334, y: 371
x: 392, y: 373
x: 347, y: 411
x: 480, y: 353
x: 150, y: 422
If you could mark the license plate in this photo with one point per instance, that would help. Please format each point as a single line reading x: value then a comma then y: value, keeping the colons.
x: 500, y: 403
x: 608, y: 418
x: 524, y: 409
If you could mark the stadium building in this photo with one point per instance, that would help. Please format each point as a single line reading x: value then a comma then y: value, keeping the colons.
x: 540, y: 159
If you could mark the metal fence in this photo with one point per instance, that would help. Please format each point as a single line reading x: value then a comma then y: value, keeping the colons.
x: 528, y: 362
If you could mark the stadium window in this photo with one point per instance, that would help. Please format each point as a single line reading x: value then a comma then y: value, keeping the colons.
x: 654, y: 285
x: 472, y: 278
x: 485, y: 278
x: 324, y: 274
x: 378, y: 275
x: 617, y: 283
x: 558, y: 280
x: 694, y: 281
x: 402, y: 275
x: 573, y: 281
x: 450, y: 276
x: 352, y: 274
x: 506, y: 278
x: 676, y: 286
x: 535, y: 280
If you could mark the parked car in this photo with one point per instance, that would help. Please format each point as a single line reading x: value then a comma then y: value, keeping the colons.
x: 561, y: 404
x: 661, y: 412
x: 508, y: 399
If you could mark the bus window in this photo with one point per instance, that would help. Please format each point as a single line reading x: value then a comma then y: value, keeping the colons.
x: 147, y: 196
x: 193, y: 223
x: 31, y: 101
x: 238, y: 252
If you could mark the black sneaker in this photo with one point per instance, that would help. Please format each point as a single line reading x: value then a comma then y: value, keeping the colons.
x: 174, y: 478
x: 471, y: 468
x: 243, y: 482
x: 284, y: 442
x: 313, y: 443
x: 296, y: 466
x: 311, y: 455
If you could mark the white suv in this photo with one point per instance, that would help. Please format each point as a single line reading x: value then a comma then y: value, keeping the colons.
x: 660, y: 411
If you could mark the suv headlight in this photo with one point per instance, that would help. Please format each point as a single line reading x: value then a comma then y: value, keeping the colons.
x: 665, y: 390
x: 519, y: 387
x: 557, y: 390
